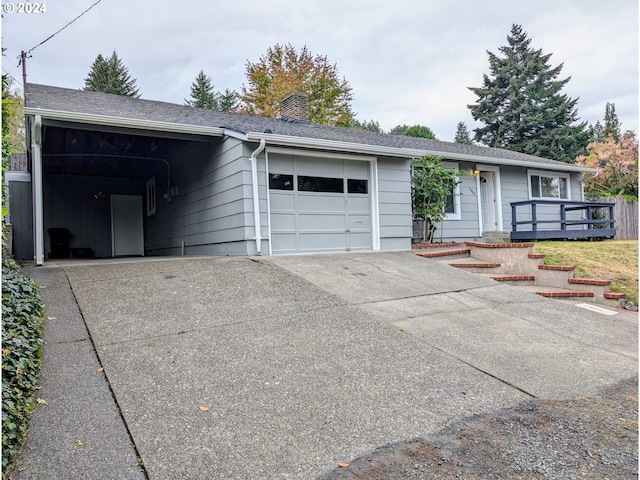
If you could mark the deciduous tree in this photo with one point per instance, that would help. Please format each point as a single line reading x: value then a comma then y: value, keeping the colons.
x: 109, y: 75
x: 283, y: 70
x: 618, y: 164
x: 431, y: 184
x: 421, y: 131
x: 521, y: 105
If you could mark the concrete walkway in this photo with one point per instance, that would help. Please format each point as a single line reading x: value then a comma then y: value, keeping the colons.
x: 281, y: 367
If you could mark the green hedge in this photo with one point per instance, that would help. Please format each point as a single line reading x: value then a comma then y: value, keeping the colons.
x: 22, y: 330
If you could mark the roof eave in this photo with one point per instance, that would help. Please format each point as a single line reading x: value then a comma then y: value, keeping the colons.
x: 301, y: 142
x: 93, y: 119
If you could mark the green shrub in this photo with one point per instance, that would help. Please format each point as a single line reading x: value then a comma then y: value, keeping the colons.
x: 22, y: 329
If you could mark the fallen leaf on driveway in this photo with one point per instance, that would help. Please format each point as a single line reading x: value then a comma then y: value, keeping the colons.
x: 204, y: 409
x: 343, y: 464
x: 79, y: 442
x: 42, y: 401
x: 100, y: 370
x: 51, y: 318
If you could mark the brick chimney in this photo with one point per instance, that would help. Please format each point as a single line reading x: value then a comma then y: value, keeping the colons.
x: 295, y: 106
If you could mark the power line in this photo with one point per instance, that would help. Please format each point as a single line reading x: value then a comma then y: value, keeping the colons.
x: 24, y: 55
x: 51, y: 36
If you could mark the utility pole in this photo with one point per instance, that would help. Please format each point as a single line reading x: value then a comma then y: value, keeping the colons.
x: 23, y: 60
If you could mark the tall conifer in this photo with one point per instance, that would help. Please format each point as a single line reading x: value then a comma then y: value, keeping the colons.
x: 521, y: 105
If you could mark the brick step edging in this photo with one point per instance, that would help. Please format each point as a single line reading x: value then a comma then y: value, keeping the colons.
x: 559, y: 268
x: 567, y: 294
x: 444, y: 253
x: 589, y: 281
x: 475, y: 265
x: 514, y: 278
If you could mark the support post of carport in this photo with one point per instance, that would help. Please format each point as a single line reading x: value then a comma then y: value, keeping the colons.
x: 36, y: 186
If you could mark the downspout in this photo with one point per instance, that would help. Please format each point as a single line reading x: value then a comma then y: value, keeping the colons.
x: 36, y: 186
x: 256, y: 199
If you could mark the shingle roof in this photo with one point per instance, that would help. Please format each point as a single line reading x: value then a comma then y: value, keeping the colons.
x: 46, y: 97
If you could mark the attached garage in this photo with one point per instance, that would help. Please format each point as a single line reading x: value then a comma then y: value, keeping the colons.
x: 320, y: 203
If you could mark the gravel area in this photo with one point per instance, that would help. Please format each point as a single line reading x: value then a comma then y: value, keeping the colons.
x: 593, y: 437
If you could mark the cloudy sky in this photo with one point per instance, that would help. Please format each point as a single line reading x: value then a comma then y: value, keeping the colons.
x: 407, y: 61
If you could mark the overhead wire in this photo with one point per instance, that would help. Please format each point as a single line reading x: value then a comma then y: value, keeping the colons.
x: 54, y: 34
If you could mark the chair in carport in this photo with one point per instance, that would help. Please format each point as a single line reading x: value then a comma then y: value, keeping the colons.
x: 60, y: 239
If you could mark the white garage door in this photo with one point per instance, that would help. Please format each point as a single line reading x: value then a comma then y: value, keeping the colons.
x: 319, y: 204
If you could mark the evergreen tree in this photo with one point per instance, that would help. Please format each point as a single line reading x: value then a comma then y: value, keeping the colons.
x: 521, y: 106
x: 109, y: 75
x: 611, y: 122
x: 596, y: 132
x: 202, y: 93
x: 369, y: 125
x: 462, y: 134
x: 228, y: 101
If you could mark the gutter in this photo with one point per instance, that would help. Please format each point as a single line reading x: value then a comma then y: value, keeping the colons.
x: 256, y: 199
x: 124, y: 122
x: 305, y: 142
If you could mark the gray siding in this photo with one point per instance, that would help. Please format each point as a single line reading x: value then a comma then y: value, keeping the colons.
x: 467, y: 226
x: 211, y: 213
x: 394, y: 203
x: 70, y: 202
x: 21, y: 216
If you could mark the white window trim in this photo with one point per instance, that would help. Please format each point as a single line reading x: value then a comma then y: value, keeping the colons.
x: 549, y: 174
x: 457, y: 213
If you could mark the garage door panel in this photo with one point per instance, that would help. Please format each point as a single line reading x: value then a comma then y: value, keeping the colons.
x: 357, y: 204
x: 324, y: 166
x: 286, y: 242
x: 320, y: 203
x: 283, y: 221
x: 282, y: 201
x: 356, y: 169
x: 313, y: 242
x: 359, y: 222
x: 319, y: 223
x: 360, y: 241
x: 325, y: 205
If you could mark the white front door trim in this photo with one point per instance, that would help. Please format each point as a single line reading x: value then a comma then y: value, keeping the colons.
x: 497, y: 195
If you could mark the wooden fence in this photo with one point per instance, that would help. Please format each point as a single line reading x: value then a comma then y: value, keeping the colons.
x: 626, y: 215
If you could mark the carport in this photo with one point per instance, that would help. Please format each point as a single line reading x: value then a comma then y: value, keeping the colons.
x: 99, y: 180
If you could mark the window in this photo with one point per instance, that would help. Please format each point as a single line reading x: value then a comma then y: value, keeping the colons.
x: 357, y: 186
x: 549, y: 185
x: 151, y: 196
x: 320, y: 184
x: 452, y: 207
x: 280, y: 181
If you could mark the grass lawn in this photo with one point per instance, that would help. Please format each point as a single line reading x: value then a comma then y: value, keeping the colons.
x: 615, y: 260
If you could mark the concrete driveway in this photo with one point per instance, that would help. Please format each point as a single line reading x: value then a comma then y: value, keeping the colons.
x: 282, y: 367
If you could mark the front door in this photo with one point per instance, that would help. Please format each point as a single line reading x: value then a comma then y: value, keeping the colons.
x: 126, y: 225
x: 488, y: 202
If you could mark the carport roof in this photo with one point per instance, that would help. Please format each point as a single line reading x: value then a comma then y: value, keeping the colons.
x: 105, y: 109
